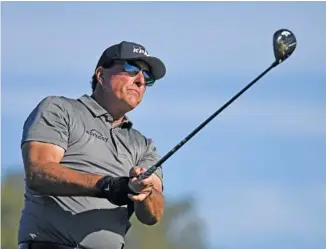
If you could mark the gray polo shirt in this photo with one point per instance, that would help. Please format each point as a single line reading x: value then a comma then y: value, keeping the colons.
x: 83, y: 129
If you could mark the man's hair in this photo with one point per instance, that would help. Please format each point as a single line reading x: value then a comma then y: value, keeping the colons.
x: 94, y: 82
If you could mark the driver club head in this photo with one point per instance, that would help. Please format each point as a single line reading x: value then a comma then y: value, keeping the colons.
x: 284, y: 43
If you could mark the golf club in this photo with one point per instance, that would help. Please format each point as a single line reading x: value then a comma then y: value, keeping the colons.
x: 284, y: 43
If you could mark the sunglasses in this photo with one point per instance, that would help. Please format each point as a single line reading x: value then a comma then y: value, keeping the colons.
x: 133, y: 69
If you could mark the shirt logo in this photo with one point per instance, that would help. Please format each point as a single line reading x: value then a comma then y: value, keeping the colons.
x: 97, y: 135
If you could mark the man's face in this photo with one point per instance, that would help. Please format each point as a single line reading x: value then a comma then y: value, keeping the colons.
x: 123, y: 86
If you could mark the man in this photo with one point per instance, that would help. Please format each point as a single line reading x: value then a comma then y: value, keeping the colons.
x: 82, y: 158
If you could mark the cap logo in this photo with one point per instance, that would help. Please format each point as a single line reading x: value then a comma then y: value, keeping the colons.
x: 140, y: 50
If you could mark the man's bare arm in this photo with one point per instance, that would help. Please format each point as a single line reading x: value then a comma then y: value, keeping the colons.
x: 150, y: 210
x: 45, y: 175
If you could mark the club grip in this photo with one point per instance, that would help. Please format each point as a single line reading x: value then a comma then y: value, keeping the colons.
x: 148, y: 172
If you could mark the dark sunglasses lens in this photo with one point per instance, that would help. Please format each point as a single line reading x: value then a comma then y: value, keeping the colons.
x: 148, y: 78
x: 131, y: 69
x: 134, y: 70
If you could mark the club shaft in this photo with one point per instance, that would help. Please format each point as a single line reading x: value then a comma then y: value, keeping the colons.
x: 153, y: 168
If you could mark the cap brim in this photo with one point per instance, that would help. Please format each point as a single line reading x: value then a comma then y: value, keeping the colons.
x: 157, y: 66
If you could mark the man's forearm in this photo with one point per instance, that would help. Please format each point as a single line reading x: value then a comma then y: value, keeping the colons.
x: 57, y: 179
x: 150, y: 211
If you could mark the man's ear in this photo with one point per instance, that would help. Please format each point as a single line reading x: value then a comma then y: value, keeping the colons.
x: 99, y: 74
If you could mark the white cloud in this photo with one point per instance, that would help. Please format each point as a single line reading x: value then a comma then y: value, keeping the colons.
x: 218, y: 37
x: 268, y: 116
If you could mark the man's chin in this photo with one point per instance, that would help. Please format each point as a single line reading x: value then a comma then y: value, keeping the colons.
x: 132, y: 104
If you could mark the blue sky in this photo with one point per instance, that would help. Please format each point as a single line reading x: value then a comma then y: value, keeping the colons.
x: 257, y: 172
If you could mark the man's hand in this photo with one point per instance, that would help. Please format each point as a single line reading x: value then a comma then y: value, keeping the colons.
x: 143, y: 188
x: 149, y: 203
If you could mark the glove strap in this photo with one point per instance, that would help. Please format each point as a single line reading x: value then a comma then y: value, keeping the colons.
x: 115, y: 189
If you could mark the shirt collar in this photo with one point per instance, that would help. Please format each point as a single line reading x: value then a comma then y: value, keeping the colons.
x: 98, y: 110
x: 92, y: 105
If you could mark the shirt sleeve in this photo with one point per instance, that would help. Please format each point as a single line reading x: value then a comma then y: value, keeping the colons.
x: 150, y: 157
x: 48, y: 123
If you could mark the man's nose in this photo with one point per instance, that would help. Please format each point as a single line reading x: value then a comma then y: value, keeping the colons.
x: 140, y: 79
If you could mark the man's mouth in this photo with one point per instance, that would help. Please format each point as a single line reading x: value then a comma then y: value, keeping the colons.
x: 135, y: 91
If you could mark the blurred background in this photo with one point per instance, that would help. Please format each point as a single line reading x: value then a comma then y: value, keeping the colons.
x: 254, y: 177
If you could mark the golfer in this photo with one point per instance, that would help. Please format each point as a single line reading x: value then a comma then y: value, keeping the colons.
x: 82, y: 158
